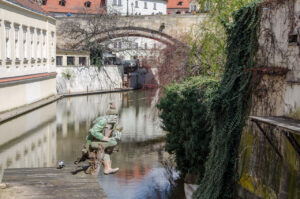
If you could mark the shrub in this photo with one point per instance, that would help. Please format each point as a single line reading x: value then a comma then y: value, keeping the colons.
x: 184, y: 113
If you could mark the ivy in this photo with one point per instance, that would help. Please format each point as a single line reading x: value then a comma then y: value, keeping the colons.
x: 230, y: 105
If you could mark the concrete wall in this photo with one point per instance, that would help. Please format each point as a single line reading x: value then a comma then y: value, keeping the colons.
x: 279, y: 21
x: 86, y: 79
x: 262, y: 171
x: 13, y: 96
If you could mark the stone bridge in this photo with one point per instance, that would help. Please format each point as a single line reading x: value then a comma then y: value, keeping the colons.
x: 142, y: 26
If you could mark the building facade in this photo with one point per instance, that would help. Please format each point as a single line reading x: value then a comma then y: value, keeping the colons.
x: 136, y: 48
x: 136, y: 7
x: 178, y: 6
x: 72, y: 58
x: 27, y: 53
x: 62, y: 8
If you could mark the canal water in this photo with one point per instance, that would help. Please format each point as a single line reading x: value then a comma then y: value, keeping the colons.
x: 57, y: 132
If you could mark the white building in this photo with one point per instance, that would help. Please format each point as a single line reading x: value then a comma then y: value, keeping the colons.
x: 27, y: 53
x: 136, y: 7
x: 136, y: 47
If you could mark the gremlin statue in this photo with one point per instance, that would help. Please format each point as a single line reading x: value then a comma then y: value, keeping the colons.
x: 101, y: 142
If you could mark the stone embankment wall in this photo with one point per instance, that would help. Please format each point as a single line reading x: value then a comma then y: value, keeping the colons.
x: 86, y: 79
x: 276, y: 93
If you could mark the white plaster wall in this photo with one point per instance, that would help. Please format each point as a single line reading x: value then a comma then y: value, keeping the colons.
x: 275, y: 50
x: 161, y: 7
x: 23, y: 94
x: 16, y: 16
x: 85, y: 79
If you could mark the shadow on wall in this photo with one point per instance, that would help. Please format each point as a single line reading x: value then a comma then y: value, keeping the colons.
x: 144, y: 78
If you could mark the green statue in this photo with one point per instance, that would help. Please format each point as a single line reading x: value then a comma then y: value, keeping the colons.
x: 101, y: 141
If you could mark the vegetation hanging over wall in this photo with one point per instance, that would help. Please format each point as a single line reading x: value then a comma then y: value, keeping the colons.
x: 230, y: 105
x: 199, y: 111
x: 186, y: 118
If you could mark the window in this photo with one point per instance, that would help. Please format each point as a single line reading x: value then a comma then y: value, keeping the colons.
x: 179, y: 3
x: 32, y: 43
x: 120, y: 44
x: 136, y: 45
x: 52, y: 45
x: 146, y: 46
x: 293, y: 39
x: 145, y: 5
x: 136, y: 4
x: 44, y: 45
x: 0, y: 44
x: 38, y: 44
x: 17, y: 43
x: 154, y: 6
x: 70, y: 61
x: 119, y: 2
x: 114, y: 2
x: 62, y: 2
x: 44, y: 2
x: 59, y: 60
x: 82, y: 61
x: 7, y: 41
x: 87, y: 4
x: 115, y: 45
x: 25, y: 51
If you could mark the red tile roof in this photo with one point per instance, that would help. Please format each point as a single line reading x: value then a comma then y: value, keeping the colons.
x: 74, y: 6
x: 31, y: 5
x: 185, y: 4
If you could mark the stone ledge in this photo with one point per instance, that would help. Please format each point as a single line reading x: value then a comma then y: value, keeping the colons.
x: 8, y: 115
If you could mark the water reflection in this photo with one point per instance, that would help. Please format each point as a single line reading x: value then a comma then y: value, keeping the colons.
x: 57, y: 132
x: 29, y: 141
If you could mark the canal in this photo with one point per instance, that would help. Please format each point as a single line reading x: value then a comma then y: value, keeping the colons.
x: 57, y: 132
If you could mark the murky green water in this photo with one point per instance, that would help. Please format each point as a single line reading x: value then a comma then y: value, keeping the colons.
x: 57, y: 132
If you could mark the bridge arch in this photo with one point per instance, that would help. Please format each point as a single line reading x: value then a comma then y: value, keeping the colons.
x: 133, y: 31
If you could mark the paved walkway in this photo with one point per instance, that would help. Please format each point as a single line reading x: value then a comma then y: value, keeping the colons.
x: 50, y: 183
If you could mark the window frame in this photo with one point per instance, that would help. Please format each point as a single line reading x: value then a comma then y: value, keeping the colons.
x: 7, y: 41
x: 68, y: 61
